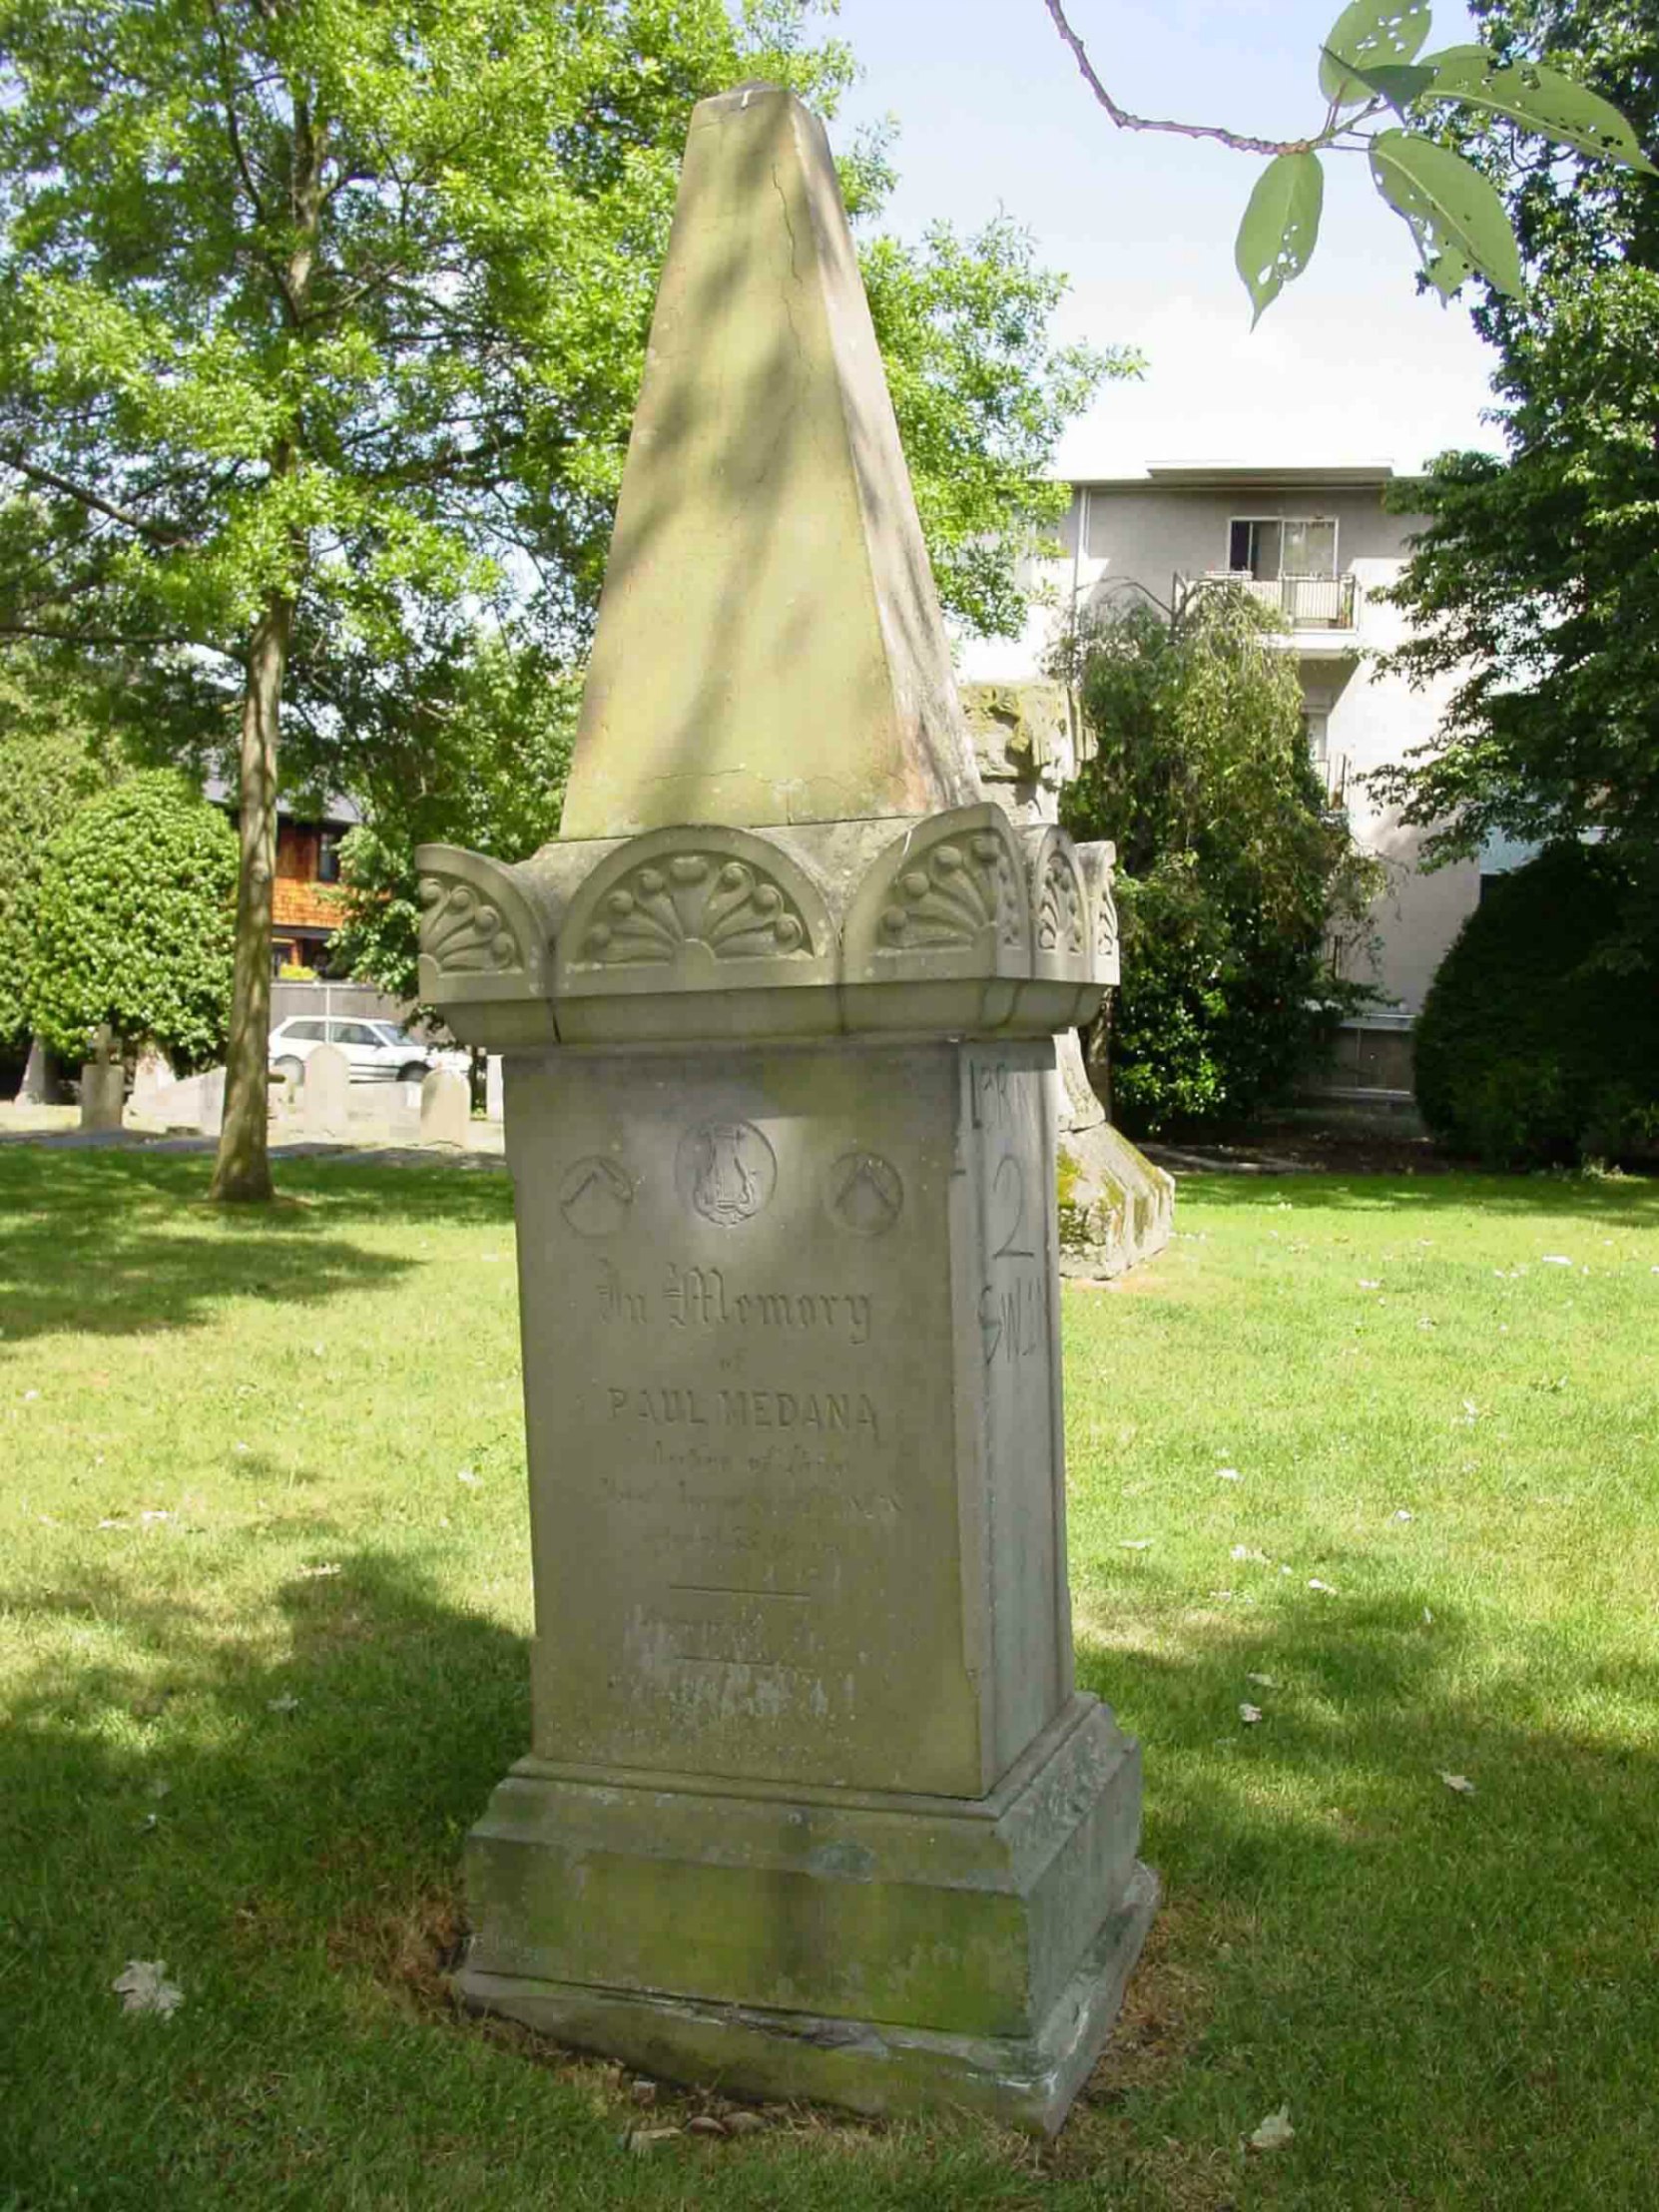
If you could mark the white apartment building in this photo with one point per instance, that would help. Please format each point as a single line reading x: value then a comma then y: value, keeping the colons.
x: 1317, y: 545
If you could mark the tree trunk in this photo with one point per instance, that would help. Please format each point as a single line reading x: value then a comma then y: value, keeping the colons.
x: 242, y: 1169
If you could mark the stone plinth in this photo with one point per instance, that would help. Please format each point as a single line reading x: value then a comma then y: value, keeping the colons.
x: 813, y: 1805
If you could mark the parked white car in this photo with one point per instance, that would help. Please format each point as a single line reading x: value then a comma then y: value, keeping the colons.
x: 380, y: 1052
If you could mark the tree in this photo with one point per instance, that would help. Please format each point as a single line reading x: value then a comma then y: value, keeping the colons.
x: 320, y: 339
x: 1232, y: 876
x: 52, y: 757
x: 1538, y: 1043
x: 1535, y: 582
x: 133, y: 922
x: 1371, y: 65
x: 478, y: 760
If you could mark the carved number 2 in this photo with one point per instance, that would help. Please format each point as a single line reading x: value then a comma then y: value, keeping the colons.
x: 1009, y: 1169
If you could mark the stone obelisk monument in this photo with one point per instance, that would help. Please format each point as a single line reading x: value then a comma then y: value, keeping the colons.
x: 813, y: 1805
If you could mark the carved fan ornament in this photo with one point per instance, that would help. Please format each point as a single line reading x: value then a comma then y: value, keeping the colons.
x: 1106, y: 925
x: 949, y: 895
x: 1062, y: 924
x: 687, y: 899
x: 463, y: 934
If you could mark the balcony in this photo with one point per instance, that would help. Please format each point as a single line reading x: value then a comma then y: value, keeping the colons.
x: 1305, y: 602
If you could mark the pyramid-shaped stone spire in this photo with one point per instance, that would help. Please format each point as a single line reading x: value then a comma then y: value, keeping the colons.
x: 770, y: 646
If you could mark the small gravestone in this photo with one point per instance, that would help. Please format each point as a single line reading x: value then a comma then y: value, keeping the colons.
x: 327, y: 1092
x: 103, y: 1084
x: 813, y: 1805
x: 445, y: 1108
x: 492, y: 1087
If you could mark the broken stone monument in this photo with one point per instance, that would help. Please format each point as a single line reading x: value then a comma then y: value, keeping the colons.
x: 812, y: 1806
x: 1116, y: 1208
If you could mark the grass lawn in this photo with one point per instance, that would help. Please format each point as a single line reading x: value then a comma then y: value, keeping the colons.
x: 265, y: 1595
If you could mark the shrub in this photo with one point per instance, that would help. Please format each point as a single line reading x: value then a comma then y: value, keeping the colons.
x: 134, y: 923
x: 1538, y: 1043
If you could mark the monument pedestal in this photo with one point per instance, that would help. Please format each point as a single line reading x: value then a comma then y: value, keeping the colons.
x: 812, y: 1806
x: 822, y: 1936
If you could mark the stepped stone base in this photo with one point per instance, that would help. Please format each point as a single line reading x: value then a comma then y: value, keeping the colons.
x: 881, y: 1952
x: 1116, y: 1208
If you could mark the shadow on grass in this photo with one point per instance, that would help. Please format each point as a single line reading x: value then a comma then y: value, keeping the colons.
x: 1361, y: 1923
x: 118, y: 1244
x: 1625, y: 1201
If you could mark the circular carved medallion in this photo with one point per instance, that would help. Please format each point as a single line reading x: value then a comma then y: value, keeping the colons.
x: 863, y: 1193
x: 725, y: 1170
x: 595, y: 1196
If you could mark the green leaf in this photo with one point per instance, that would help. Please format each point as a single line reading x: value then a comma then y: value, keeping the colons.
x: 1457, y: 218
x: 1369, y: 34
x: 1281, y: 227
x: 1538, y: 98
x: 1400, y: 83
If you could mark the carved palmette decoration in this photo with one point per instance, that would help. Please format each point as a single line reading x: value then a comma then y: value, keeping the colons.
x: 729, y: 905
x: 463, y: 933
x: 1061, y: 911
x: 1106, y: 928
x: 949, y: 895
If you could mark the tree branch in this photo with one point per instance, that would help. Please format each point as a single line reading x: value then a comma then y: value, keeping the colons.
x: 1127, y: 122
x: 171, y: 541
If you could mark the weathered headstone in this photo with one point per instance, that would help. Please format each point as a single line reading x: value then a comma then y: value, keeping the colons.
x: 103, y: 1084
x: 445, y: 1108
x: 326, y: 1093
x: 812, y: 1806
x: 1116, y: 1207
x: 42, y: 1084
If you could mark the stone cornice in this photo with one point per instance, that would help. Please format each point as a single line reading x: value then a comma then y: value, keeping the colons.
x: 955, y: 924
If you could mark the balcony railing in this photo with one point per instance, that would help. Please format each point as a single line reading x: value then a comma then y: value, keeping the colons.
x: 1306, y: 602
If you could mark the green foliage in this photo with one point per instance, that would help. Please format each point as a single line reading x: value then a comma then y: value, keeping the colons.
x: 479, y: 760
x: 981, y: 395
x: 1280, y: 227
x: 51, y: 758
x: 1458, y: 223
x: 1538, y: 1043
x: 1534, y: 588
x: 1232, y: 876
x: 133, y: 922
x: 352, y: 306
x: 1454, y: 216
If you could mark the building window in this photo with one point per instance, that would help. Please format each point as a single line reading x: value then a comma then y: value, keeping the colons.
x: 1268, y: 547
x: 328, y: 855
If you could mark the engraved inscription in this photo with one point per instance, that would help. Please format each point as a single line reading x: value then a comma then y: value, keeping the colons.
x: 697, y: 1297
x: 726, y: 1171
x: 694, y: 1405
x: 1007, y: 1224
x: 595, y: 1196
x: 863, y: 1193
x: 1013, y: 1318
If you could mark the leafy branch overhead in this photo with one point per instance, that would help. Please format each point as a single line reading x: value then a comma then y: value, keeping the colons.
x: 1372, y: 67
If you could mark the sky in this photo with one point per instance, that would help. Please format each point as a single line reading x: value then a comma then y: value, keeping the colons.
x: 1350, y: 364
